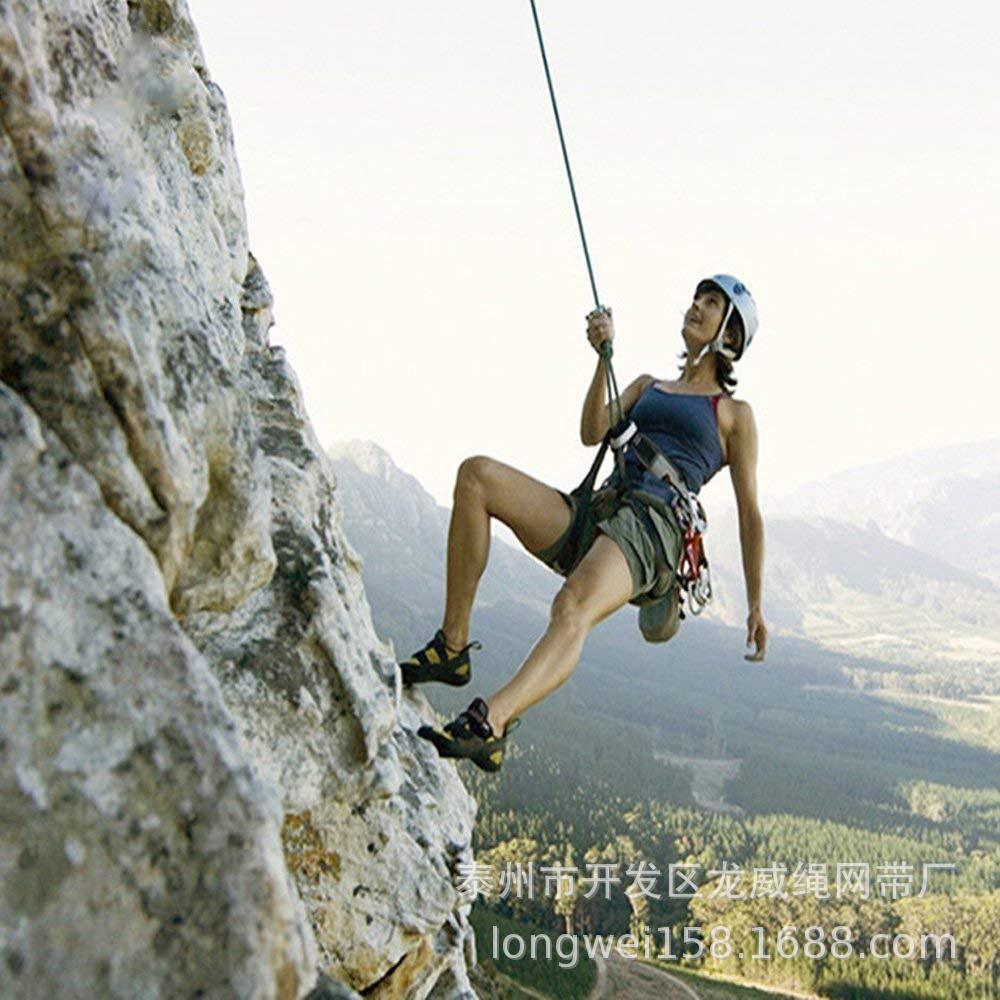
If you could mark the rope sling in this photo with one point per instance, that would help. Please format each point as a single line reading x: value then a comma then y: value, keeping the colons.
x: 692, y: 570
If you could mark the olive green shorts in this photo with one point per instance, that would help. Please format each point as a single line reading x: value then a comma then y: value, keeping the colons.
x: 608, y: 513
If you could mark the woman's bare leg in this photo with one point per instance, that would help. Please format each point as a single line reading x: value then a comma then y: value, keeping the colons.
x: 486, y: 488
x: 599, y: 585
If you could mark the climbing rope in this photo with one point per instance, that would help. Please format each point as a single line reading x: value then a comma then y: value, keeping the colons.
x: 614, y: 400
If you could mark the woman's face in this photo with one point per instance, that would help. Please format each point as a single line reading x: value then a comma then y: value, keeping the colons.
x: 704, y: 316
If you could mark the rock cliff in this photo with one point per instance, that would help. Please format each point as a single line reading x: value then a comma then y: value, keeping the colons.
x: 210, y: 782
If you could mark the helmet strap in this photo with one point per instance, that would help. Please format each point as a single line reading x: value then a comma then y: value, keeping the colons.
x: 716, y: 344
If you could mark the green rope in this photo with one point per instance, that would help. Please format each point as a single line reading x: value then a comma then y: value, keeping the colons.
x: 612, y: 383
x: 614, y: 401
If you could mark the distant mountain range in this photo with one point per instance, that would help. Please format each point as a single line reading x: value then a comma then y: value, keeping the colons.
x: 839, y: 570
x: 944, y: 501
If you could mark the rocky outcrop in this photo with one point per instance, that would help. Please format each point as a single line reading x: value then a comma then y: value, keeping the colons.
x: 210, y: 779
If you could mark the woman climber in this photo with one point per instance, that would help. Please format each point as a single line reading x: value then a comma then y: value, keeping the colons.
x: 613, y: 556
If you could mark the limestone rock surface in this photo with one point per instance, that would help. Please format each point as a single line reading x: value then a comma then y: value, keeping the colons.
x: 210, y: 782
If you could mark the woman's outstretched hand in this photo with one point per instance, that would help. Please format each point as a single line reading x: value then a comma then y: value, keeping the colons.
x: 600, y: 327
x: 756, y: 634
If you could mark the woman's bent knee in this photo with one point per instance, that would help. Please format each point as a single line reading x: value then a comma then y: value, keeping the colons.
x: 473, y: 471
x: 570, y: 610
x: 537, y: 513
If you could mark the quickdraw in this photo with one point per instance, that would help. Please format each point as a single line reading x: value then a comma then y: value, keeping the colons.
x: 693, y: 573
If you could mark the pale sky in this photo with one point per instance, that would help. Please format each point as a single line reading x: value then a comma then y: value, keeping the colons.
x: 407, y: 202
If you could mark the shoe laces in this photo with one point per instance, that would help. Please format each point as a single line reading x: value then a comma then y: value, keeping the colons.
x: 475, y: 721
x: 441, y: 642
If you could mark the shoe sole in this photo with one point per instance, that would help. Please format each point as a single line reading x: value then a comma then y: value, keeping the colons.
x: 453, y: 678
x: 485, y: 760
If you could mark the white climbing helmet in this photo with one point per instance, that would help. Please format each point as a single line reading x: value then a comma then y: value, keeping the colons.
x: 742, y: 301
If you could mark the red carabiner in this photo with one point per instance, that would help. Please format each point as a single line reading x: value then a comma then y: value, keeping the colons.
x: 694, y: 554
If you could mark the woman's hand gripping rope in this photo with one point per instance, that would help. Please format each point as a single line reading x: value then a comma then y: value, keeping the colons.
x: 600, y: 327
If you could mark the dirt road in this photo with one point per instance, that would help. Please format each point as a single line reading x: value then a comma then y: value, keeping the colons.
x: 628, y: 979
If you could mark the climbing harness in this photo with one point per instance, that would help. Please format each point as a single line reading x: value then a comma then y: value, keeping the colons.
x: 692, y: 571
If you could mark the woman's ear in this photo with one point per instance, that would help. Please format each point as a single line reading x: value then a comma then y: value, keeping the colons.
x: 733, y: 336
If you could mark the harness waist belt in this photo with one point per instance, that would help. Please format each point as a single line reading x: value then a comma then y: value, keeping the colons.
x: 658, y: 463
x: 624, y: 436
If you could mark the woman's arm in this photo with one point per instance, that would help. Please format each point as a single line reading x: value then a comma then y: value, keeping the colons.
x: 742, y: 452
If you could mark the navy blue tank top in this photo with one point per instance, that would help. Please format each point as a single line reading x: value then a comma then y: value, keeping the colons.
x: 684, y: 427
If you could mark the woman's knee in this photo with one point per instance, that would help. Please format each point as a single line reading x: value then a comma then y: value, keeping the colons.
x: 490, y: 480
x: 570, y: 608
x: 537, y: 513
x: 473, y: 473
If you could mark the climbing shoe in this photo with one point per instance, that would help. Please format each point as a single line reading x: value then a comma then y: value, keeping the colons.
x: 470, y: 735
x: 435, y: 663
x: 659, y: 620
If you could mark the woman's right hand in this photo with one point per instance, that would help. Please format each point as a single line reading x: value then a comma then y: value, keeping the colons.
x: 600, y: 327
